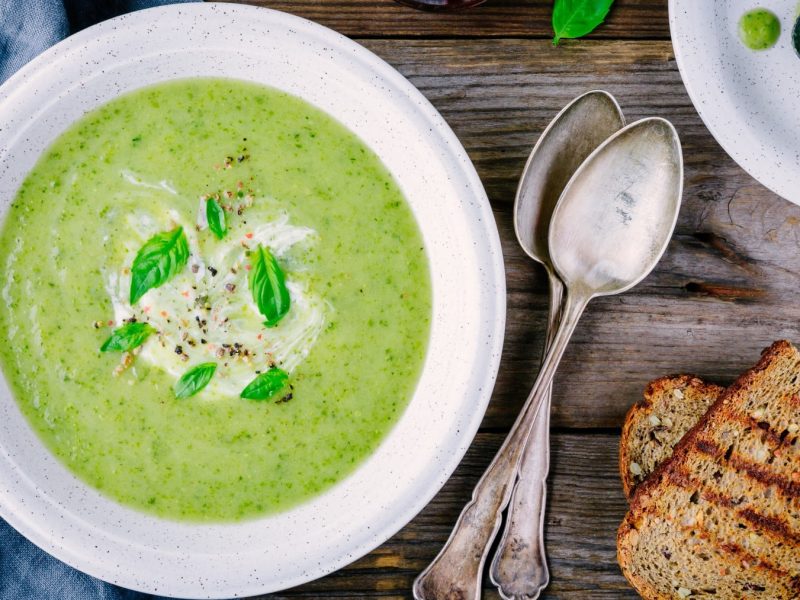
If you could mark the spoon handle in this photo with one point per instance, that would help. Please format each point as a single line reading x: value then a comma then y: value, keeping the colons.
x: 519, y: 569
x: 456, y: 571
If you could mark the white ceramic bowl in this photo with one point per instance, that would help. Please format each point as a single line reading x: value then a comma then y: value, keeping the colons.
x: 41, y: 499
x: 749, y: 100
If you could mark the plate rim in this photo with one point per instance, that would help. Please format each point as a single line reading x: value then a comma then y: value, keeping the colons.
x: 728, y: 144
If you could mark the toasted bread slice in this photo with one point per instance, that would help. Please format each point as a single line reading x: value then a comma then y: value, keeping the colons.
x: 671, y: 407
x: 721, y: 518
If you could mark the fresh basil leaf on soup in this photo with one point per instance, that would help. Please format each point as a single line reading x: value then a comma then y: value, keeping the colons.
x: 161, y: 258
x: 268, y: 286
x: 127, y: 337
x: 215, y: 215
x: 194, y: 380
x: 267, y: 385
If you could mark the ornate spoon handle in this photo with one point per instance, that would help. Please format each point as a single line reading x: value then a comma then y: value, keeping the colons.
x: 456, y: 572
x: 519, y: 569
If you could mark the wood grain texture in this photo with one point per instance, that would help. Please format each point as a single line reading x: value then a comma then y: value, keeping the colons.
x: 585, y: 507
x: 629, y: 19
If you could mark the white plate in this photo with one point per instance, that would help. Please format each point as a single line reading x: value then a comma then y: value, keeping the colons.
x: 40, y: 498
x: 749, y: 100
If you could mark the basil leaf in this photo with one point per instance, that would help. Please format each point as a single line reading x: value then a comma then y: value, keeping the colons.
x: 127, y: 337
x: 161, y: 258
x: 268, y: 286
x: 266, y: 385
x: 576, y: 18
x: 215, y: 215
x: 194, y: 380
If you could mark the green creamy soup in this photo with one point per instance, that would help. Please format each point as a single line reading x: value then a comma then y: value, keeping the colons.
x: 290, y: 179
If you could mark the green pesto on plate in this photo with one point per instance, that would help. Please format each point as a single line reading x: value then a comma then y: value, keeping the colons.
x: 289, y: 179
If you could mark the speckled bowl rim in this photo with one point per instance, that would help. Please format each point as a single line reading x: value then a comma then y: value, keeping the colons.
x: 489, y: 273
x: 704, y: 76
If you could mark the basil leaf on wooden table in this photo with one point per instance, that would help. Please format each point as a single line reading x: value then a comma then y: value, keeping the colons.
x: 215, y: 215
x: 266, y: 385
x: 127, y: 337
x: 268, y: 286
x: 161, y: 258
x: 576, y: 18
x: 194, y: 380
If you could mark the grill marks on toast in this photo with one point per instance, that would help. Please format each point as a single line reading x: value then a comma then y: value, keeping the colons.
x: 668, y: 564
x: 773, y: 525
x: 747, y: 469
x: 730, y: 492
x: 726, y: 520
x: 694, y: 511
x: 757, y: 498
x: 769, y: 434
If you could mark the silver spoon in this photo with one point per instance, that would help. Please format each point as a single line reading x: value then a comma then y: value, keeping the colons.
x: 610, y: 227
x: 519, y: 568
x: 572, y: 135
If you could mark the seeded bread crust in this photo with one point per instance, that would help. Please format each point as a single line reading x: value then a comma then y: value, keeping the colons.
x: 671, y: 406
x: 721, y: 518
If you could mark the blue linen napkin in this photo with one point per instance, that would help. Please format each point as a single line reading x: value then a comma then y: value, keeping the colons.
x: 28, y: 573
x: 27, y: 28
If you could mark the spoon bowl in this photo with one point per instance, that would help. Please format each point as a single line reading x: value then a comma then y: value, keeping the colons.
x: 575, y: 132
x: 617, y: 213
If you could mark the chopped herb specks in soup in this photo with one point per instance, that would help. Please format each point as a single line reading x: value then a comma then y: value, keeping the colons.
x: 216, y: 301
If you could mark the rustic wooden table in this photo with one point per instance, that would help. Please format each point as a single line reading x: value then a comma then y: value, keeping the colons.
x: 725, y: 289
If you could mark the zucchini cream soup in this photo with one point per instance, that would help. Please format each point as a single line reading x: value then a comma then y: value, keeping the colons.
x: 216, y: 301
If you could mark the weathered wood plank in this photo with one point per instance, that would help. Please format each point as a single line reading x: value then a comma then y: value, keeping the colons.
x: 629, y: 19
x: 585, y: 503
x: 726, y: 287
